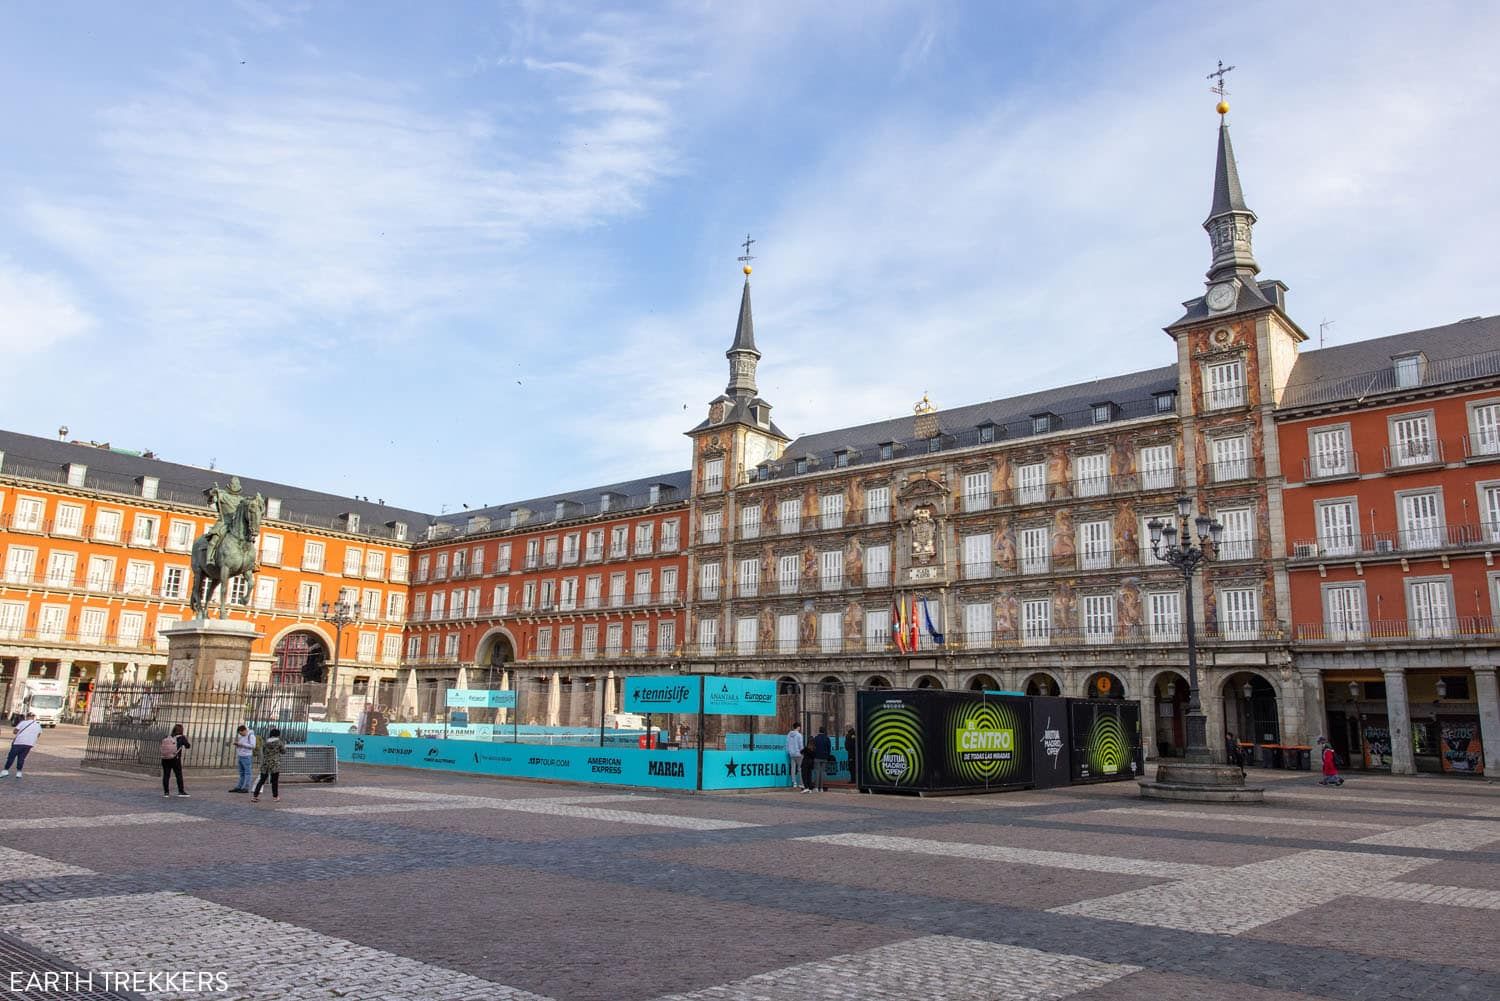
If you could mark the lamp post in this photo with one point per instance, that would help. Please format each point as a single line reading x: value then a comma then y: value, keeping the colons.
x: 1174, y: 546
x: 338, y: 614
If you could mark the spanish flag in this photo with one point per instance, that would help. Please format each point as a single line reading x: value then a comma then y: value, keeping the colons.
x: 898, y: 627
x: 911, y: 619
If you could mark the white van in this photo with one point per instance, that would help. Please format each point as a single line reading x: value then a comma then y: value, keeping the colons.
x: 43, y: 696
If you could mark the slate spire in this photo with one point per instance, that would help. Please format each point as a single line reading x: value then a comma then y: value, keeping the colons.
x: 1229, y: 221
x: 742, y: 354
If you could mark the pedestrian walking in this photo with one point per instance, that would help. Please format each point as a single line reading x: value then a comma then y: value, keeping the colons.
x: 270, y: 765
x: 822, y: 754
x: 851, y: 745
x: 809, y: 756
x: 1331, y: 776
x: 1233, y: 754
x: 172, y: 747
x: 21, y: 743
x: 794, y: 746
x: 244, y: 757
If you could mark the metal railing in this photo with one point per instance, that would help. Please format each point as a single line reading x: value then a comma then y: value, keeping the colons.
x: 1423, y: 452
x: 128, y: 722
x: 1484, y: 445
x: 1383, y: 380
x: 1419, y: 628
x: 1411, y: 540
x: 1327, y: 467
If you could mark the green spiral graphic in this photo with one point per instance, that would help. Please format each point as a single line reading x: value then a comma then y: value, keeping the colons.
x: 893, y: 745
x: 986, y: 742
x: 1109, y: 750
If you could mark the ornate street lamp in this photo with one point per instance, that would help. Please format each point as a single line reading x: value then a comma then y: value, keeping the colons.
x: 339, y: 614
x: 1174, y: 546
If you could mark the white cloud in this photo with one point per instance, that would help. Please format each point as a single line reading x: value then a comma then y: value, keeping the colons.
x: 37, y: 311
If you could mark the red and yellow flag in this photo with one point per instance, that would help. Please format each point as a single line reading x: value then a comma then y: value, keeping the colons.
x: 898, y: 626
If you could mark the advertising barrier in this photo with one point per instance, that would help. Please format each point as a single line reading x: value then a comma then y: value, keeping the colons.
x: 1106, y: 740
x: 481, y: 698
x: 674, y: 694
x: 1052, y: 761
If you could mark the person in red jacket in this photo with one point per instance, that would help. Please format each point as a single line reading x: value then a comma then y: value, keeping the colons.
x: 1331, y: 776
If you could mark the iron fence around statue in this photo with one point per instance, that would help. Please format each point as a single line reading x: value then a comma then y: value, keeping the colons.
x: 127, y: 722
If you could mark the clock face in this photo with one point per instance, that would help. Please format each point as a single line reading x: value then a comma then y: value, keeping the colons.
x: 1221, y: 297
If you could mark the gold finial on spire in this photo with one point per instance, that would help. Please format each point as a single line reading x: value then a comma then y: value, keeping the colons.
x: 1223, y: 106
x: 747, y: 258
x: 924, y: 406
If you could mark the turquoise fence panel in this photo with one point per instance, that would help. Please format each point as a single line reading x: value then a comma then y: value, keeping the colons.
x: 746, y: 770
x: 669, y: 693
x: 739, y: 697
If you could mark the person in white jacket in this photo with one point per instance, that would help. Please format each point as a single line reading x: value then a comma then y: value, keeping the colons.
x: 21, y: 744
x: 794, y: 745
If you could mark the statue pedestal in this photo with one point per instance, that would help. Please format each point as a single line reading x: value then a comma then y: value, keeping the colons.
x: 209, y: 653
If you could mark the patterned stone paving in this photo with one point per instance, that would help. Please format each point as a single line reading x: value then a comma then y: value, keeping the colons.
x: 395, y: 884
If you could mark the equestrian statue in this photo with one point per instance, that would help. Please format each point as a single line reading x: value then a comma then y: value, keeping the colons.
x: 227, y: 550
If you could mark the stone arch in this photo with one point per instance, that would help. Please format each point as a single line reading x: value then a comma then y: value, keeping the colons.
x: 493, y: 640
x: 1252, y: 706
x: 983, y: 681
x: 877, y: 681
x: 1105, y: 685
x: 292, y: 649
x: 929, y: 681
x: 1041, y: 682
x: 1166, y: 687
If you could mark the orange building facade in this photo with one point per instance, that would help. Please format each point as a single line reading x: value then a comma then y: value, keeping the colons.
x: 1393, y: 522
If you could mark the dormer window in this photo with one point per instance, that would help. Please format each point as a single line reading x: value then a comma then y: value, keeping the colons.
x: 1409, y: 369
x: 887, y: 450
x: 933, y: 444
x: 400, y: 530
x: 655, y: 497
x: 149, y: 487
x: 1166, y: 403
x: 841, y: 458
x: 77, y: 472
x: 559, y: 510
x: 986, y: 433
x: 800, y: 466
x: 1041, y: 423
x: 603, y: 503
x: 515, y: 518
x: 352, y: 521
x: 1103, y: 413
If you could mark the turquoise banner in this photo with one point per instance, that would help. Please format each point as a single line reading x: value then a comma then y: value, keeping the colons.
x: 481, y: 698
x: 663, y: 694
x: 746, y: 770
x: 607, y: 765
x: 738, y: 697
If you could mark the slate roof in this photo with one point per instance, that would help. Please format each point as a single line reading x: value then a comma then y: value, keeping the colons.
x: 744, y: 329
x: 1466, y: 349
x: 627, y: 495
x: 1133, y: 395
x: 1227, y: 194
x: 117, y: 471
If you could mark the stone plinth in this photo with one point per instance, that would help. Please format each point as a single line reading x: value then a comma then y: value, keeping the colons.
x: 1196, y: 783
x: 209, y: 653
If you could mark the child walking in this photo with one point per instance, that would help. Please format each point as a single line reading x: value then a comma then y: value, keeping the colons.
x: 270, y: 765
x: 172, y: 747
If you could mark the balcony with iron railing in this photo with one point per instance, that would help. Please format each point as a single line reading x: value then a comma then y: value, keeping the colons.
x: 1331, y: 467
x: 1225, y: 398
x: 554, y: 606
x: 1403, y: 542
x: 1068, y: 489
x: 1363, y: 385
x: 1417, y: 629
x: 1407, y: 456
x: 1230, y: 470
x: 1483, y: 446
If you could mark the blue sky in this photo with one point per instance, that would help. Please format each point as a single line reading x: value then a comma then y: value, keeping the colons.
x: 474, y: 252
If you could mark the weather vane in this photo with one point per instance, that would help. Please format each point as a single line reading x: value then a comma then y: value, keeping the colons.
x: 1218, y: 88
x: 747, y: 258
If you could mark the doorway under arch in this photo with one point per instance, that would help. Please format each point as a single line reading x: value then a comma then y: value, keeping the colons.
x: 1251, y: 711
x: 1104, y: 685
x: 1041, y: 684
x: 929, y: 681
x: 983, y: 682
x: 1170, y: 694
x: 291, y: 654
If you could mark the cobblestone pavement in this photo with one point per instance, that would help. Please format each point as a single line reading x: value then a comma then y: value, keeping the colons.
x: 396, y: 884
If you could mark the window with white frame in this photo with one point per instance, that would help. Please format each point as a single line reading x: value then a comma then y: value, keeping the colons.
x: 548, y: 590
x: 744, y: 635
x: 1484, y: 429
x: 594, y: 545
x: 749, y: 578
x: 1031, y: 483
x: 450, y: 646
x: 433, y: 641
x: 423, y: 563
x: 831, y: 569
x: 312, y: 556
x: 458, y: 603
x: 1224, y: 384
x: 788, y: 574
x: 399, y: 563
x: 708, y: 581
x: 1164, y: 615
x: 1095, y: 545
x: 91, y: 625
x: 713, y: 476
x: 265, y: 591
x: 1143, y: 534
x: 593, y: 590
x: 979, y: 625
x: 549, y: 551
x: 29, y: 514
x: 308, y: 597
x: 1036, y: 550
x: 979, y: 556
x: 544, y: 641
x: 666, y: 637
x: 928, y: 611
x: 567, y: 594
x: 831, y: 510
x: 878, y: 505
x: 1098, y: 618
x: 789, y: 515
x: 12, y: 619
x: 528, y: 596
x: 440, y: 568
x: 750, y: 521
x: 1231, y: 457
x: 101, y: 573
x: 52, y: 622
x: 1344, y: 612
x: 419, y: 607
x: 174, y: 583
x: 590, y: 643
x: 877, y: 630
x: 1158, y: 470
x: 440, y: 605
x: 878, y: 566
x: 1489, y: 511
x: 1239, y: 613
x: 365, y: 651
x: 1091, y: 475
x: 708, y: 636
x: 1429, y: 608
x: 107, y: 526
x: 133, y: 626
x: 645, y: 533
x: 642, y: 591
x: 138, y: 575
x: 569, y: 550
x: 617, y: 588
x: 976, y: 496
x: 1411, y: 440
x: 670, y: 533
x: 640, y: 637
x: 395, y: 606
x: 711, y: 527
x: 830, y: 632
x: 270, y: 549
x: 1422, y: 520
x: 62, y: 566
x: 1336, y: 532
x: 238, y: 591
x: 669, y: 584
x: 1036, y: 621
x: 786, y: 633
x: 1408, y: 371
x: 1330, y: 452
x: 618, y: 540
x: 1238, y: 541
x: 143, y: 532
x: 566, y: 636
x: 390, y: 648
x: 353, y: 560
x: 375, y: 564
x: 500, y: 599
x: 69, y: 520
x: 413, y: 647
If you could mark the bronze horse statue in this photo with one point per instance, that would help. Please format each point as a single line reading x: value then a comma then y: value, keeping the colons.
x: 234, y: 557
